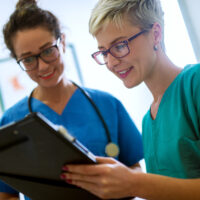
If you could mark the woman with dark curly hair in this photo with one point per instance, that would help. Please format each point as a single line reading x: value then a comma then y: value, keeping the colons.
x: 35, y: 40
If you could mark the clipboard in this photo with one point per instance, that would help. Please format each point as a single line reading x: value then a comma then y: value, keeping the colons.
x: 32, y: 153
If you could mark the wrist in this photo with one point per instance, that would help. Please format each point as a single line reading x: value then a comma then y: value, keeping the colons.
x: 136, y: 179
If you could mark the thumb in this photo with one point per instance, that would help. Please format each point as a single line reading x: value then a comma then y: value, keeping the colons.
x: 105, y: 160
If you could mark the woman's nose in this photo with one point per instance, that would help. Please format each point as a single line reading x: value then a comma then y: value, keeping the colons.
x: 112, y: 61
x: 42, y: 65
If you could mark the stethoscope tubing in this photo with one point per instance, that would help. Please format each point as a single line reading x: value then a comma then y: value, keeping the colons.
x: 91, y: 102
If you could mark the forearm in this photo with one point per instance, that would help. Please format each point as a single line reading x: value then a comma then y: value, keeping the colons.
x: 156, y: 187
x: 136, y: 167
x: 12, y: 198
x: 6, y: 196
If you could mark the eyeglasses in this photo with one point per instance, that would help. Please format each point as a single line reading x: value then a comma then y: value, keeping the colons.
x: 117, y: 50
x: 48, y: 55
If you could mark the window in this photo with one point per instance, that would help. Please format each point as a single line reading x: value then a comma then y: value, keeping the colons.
x: 177, y: 41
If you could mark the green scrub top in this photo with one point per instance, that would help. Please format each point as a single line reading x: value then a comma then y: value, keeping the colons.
x: 172, y: 140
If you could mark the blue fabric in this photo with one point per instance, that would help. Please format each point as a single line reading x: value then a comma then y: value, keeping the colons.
x: 82, y: 121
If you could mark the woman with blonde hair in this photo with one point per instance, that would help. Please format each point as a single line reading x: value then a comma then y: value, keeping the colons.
x: 130, y: 39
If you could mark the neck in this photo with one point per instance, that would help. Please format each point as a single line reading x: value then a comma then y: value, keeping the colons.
x: 161, y: 77
x: 61, y: 91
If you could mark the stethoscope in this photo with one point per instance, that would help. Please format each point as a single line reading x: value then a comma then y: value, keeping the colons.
x: 111, y: 148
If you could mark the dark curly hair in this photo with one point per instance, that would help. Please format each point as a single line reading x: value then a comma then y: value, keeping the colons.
x: 28, y: 15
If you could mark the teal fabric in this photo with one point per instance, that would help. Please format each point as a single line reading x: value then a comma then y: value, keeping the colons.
x: 172, y: 141
x: 81, y: 120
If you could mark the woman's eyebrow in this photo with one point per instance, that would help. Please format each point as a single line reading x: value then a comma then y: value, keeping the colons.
x: 30, y: 53
x: 45, y: 45
x: 113, y: 42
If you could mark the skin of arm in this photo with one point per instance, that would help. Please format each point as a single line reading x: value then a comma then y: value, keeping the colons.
x: 111, y: 179
x: 6, y: 196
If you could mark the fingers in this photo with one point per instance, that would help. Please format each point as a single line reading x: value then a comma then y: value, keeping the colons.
x: 73, y: 178
x: 97, y: 185
x: 91, y: 169
x: 83, y: 169
x: 108, y: 160
x: 92, y: 188
x: 103, y: 179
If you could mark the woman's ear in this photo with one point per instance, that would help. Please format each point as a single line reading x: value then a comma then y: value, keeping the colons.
x: 63, y: 42
x: 157, y: 34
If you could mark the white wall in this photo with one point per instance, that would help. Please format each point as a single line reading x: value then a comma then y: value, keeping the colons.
x: 74, y: 16
x: 190, y: 12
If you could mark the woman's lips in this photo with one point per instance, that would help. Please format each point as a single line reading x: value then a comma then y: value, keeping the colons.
x: 124, y: 73
x: 47, y: 75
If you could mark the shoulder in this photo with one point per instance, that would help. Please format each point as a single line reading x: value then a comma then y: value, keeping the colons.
x: 190, y: 77
x: 16, y: 112
x: 99, y: 95
x: 191, y: 71
x: 192, y: 67
x: 104, y: 99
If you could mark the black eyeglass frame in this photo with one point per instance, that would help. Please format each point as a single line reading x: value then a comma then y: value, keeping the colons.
x: 39, y: 56
x: 95, y: 54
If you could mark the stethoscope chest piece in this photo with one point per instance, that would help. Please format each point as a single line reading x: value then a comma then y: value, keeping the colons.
x: 112, y: 149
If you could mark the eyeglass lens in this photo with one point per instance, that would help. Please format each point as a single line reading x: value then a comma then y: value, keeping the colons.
x: 118, y: 50
x: 48, y: 55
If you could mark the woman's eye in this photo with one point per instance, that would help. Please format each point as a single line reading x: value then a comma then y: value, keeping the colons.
x: 120, y: 46
x: 47, y: 52
x: 28, y: 60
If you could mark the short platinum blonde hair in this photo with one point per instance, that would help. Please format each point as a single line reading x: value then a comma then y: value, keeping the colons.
x: 140, y: 13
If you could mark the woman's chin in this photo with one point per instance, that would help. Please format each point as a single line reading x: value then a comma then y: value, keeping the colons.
x: 129, y: 84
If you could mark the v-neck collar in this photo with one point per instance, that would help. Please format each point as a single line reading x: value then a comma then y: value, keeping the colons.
x: 45, y: 108
x: 164, y: 97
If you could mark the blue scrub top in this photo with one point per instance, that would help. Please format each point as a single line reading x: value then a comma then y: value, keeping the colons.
x: 82, y: 121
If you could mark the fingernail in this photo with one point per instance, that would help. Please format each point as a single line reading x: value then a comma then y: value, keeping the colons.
x: 63, y: 176
x: 68, y: 180
x: 65, y: 168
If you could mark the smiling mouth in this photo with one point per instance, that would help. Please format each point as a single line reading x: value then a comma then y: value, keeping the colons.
x: 124, y: 73
x: 47, y: 76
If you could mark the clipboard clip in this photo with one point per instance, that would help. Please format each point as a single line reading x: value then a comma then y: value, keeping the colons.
x: 64, y: 132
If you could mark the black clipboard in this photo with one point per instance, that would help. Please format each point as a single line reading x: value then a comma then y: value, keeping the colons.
x: 32, y: 153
